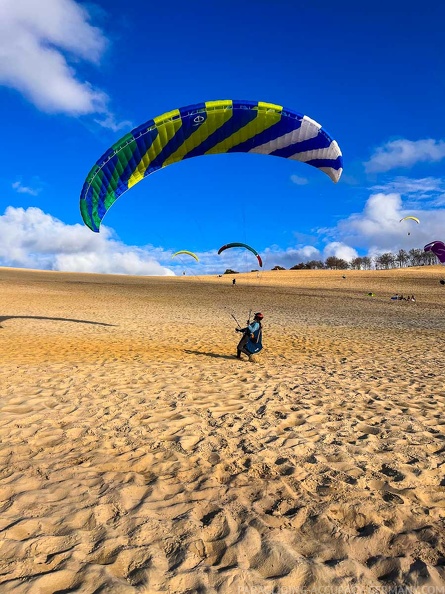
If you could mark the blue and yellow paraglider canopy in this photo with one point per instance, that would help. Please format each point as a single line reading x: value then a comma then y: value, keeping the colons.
x: 213, y: 127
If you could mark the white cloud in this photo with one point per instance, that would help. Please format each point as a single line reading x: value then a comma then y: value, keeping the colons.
x: 405, y: 153
x: 378, y: 228
x: 423, y: 187
x: 39, y: 43
x: 424, y: 192
x: 21, y: 189
x: 108, y: 120
x: 300, y: 181
x: 339, y: 250
x: 276, y: 256
x: 30, y: 238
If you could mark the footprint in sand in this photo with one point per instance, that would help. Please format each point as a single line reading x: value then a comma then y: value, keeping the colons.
x: 392, y: 498
x: 391, y: 472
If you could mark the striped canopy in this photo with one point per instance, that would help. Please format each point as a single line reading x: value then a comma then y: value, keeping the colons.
x: 204, y: 129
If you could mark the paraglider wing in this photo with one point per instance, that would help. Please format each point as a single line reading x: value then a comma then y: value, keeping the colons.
x: 410, y: 217
x: 212, y: 127
x: 438, y: 249
x: 243, y: 245
x: 186, y: 252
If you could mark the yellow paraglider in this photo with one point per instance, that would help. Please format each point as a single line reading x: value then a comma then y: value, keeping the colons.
x: 186, y: 252
x: 412, y: 218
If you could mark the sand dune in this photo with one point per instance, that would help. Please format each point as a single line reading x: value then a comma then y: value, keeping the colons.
x: 138, y: 455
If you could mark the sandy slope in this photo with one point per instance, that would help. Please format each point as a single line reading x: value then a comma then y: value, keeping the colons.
x: 137, y: 455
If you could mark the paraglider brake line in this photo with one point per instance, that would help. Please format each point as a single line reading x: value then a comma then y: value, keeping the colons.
x: 235, y: 320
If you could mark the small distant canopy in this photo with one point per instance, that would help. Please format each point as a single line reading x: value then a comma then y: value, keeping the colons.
x: 187, y: 253
x: 213, y: 127
x: 438, y: 249
x: 241, y: 245
x: 410, y: 217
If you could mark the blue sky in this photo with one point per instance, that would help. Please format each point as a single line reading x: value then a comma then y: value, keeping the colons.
x: 76, y: 76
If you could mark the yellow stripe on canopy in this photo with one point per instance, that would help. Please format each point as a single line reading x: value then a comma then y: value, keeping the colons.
x: 215, y: 119
x: 167, y: 125
x: 264, y: 120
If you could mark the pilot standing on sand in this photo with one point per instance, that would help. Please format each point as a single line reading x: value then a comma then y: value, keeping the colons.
x: 251, y: 342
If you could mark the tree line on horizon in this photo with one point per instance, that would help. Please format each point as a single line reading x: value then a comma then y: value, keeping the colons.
x: 385, y: 261
x: 402, y: 259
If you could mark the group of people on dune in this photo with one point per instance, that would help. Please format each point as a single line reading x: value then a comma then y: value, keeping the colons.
x: 398, y: 297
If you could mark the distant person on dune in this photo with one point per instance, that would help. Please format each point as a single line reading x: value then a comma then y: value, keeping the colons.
x: 251, y: 342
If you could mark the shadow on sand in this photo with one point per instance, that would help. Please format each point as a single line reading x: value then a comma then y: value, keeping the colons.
x: 207, y: 354
x: 4, y: 318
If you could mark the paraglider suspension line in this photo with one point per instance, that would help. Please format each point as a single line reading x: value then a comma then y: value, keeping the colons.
x: 235, y: 320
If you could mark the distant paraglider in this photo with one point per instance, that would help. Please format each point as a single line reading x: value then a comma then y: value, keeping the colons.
x: 242, y: 245
x: 187, y: 253
x: 438, y: 249
x: 213, y: 127
x: 409, y: 217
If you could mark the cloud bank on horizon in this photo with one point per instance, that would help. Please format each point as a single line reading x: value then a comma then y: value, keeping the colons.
x: 31, y: 238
